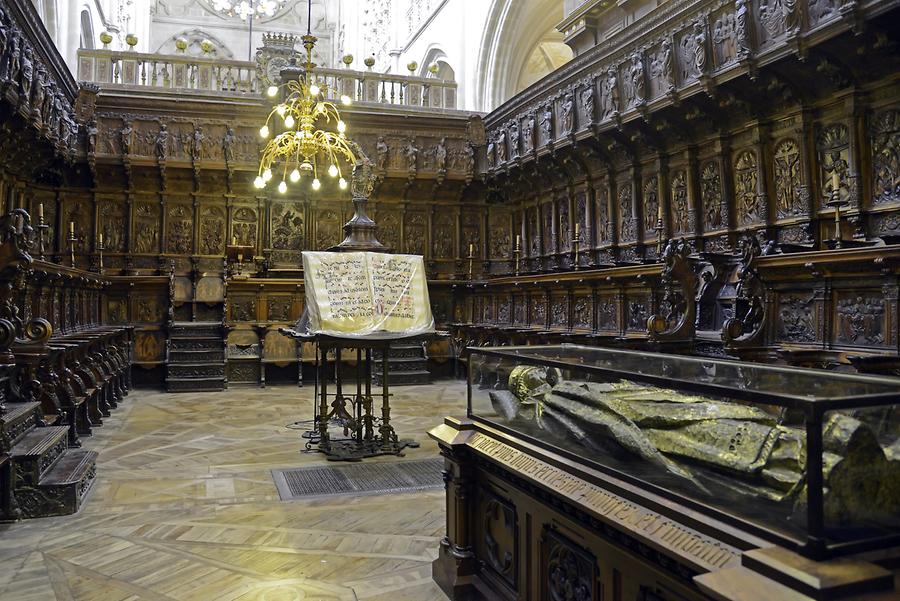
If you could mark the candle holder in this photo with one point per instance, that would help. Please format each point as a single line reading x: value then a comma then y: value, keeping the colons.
x: 42, y: 228
x: 837, y: 203
x: 471, y: 259
x: 659, y: 239
x: 100, y: 249
x: 517, y: 256
x: 72, y: 240
x: 576, y: 248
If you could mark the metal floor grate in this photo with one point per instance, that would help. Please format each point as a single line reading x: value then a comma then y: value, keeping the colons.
x: 359, y: 479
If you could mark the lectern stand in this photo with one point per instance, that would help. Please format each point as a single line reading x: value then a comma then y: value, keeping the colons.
x: 365, y: 433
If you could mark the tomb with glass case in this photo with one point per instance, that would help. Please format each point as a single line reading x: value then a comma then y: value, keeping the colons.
x: 709, y: 472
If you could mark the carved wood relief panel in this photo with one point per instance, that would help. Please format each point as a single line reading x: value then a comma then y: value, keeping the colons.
x: 244, y: 226
x: 179, y: 229
x: 212, y: 230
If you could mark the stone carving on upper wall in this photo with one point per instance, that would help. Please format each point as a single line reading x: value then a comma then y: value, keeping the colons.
x: 823, y: 10
x: 546, y: 125
x: 586, y: 95
x: 528, y: 134
x: 514, y: 139
x: 212, y: 231
x: 415, y: 232
x: 567, y: 120
x: 724, y: 38
x: 680, y: 210
x: 501, y: 147
x: 771, y: 17
x: 745, y: 191
x: 787, y: 178
x: 636, y: 81
x: 243, y: 226
x: 834, y: 160
x: 886, y: 157
x: 609, y: 101
x: 180, y: 226
x: 146, y: 228
x: 711, y: 196
x: 287, y: 226
x: 112, y: 225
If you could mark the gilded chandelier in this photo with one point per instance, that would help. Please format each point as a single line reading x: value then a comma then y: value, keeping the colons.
x: 302, y: 148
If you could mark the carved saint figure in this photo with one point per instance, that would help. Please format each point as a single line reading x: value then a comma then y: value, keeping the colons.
x: 528, y: 134
x: 197, y: 144
x: 668, y: 64
x: 381, y: 152
x: 638, y: 90
x: 228, y: 145
x: 742, y: 27
x: 162, y: 142
x: 835, y: 165
x: 514, y: 139
x: 587, y: 103
x: 490, y: 155
x: 791, y: 16
x: 11, y: 60
x: 470, y: 159
x: 567, y: 114
x: 26, y: 75
x: 440, y: 156
x: 501, y: 147
x: 412, y: 154
x: 610, y: 94
x: 127, y: 134
x: 92, y: 132
x: 37, y: 94
x: 699, y: 48
x: 546, y: 123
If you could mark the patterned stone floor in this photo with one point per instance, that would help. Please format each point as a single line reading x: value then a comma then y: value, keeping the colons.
x: 184, y: 508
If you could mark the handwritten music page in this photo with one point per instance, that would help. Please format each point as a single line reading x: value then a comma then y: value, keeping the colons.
x: 363, y: 293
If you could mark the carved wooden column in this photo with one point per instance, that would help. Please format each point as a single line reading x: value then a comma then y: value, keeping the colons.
x: 859, y: 191
x: 729, y: 217
x: 695, y: 210
x: 663, y: 197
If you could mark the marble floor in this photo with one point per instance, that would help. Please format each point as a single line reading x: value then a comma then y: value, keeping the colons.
x: 184, y: 508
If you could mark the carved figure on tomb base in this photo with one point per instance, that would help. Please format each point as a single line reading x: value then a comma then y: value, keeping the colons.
x: 197, y: 144
x: 228, y: 145
x: 127, y: 135
x: 568, y: 118
x: 610, y: 94
x: 546, y: 124
x: 440, y: 156
x: 742, y: 27
x: 381, y: 153
x: 162, y: 142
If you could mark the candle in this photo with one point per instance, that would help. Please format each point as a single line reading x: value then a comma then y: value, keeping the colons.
x: 101, y: 238
x: 72, y: 228
x: 518, y: 241
x: 234, y: 240
x: 577, y: 229
x: 835, y: 181
x: 660, y: 212
x: 41, y: 211
x: 471, y: 250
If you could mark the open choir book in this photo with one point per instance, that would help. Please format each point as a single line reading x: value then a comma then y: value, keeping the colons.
x: 366, y: 293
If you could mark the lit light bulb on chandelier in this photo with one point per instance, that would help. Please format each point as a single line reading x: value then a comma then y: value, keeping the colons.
x: 314, y: 90
x: 267, y: 175
x: 295, y: 176
x: 333, y: 170
x: 341, y: 126
x: 281, y: 109
x: 346, y: 100
x: 316, y: 184
x: 282, y: 187
x: 264, y: 131
x: 259, y: 182
x: 289, y: 121
x: 342, y: 184
x: 272, y: 91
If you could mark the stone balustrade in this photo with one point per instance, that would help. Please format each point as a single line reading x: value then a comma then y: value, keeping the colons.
x: 206, y: 74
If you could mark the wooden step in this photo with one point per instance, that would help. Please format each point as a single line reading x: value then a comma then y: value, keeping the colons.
x: 62, y: 489
x: 196, y: 370
x: 18, y: 419
x: 195, y: 384
x: 36, y: 453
